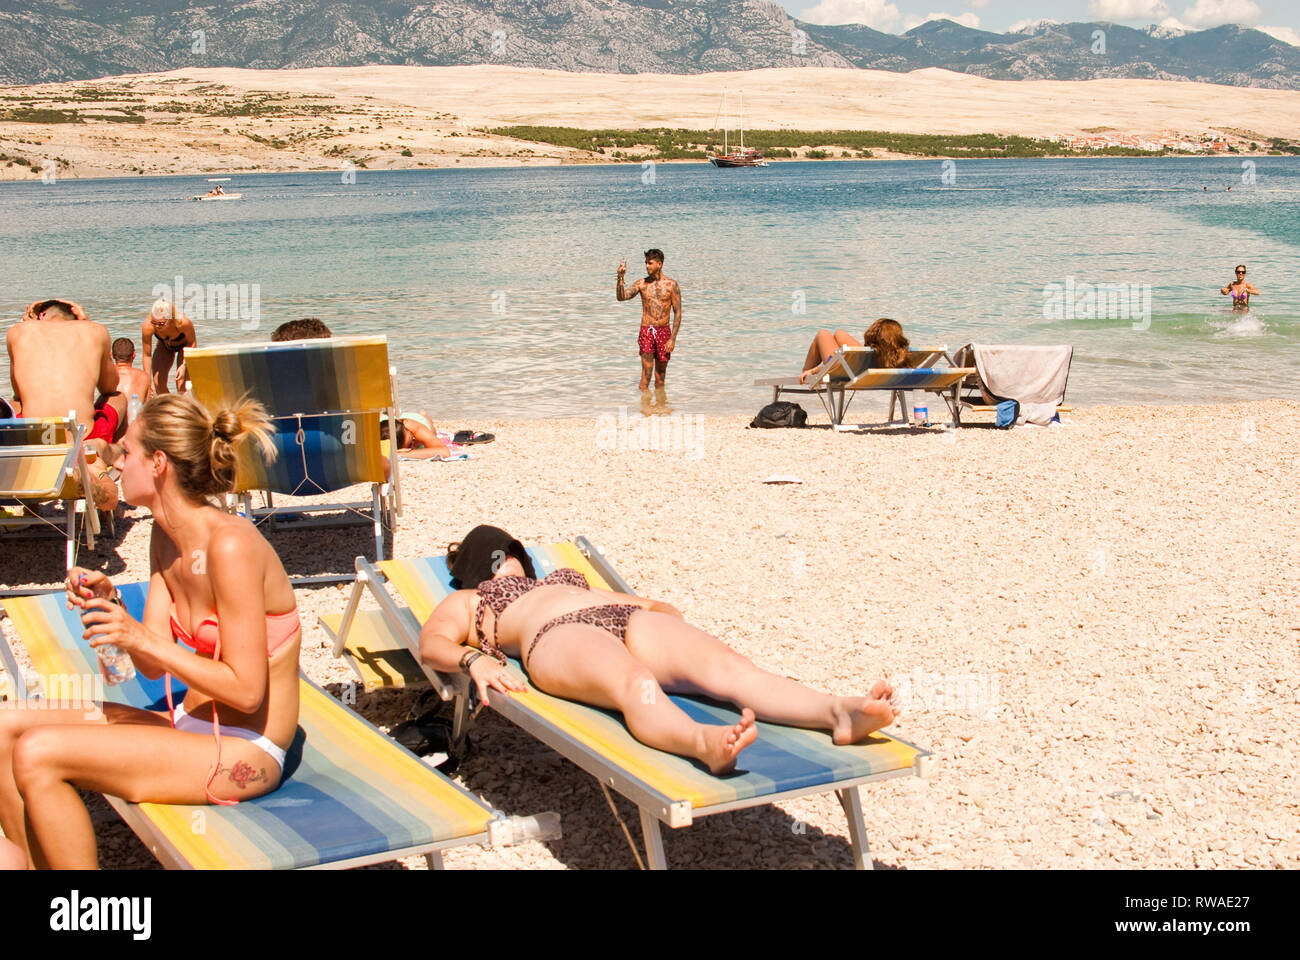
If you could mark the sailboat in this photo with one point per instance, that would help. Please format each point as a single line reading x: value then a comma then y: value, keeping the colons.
x: 739, y: 158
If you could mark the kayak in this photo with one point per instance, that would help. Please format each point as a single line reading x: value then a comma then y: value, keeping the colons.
x: 224, y: 196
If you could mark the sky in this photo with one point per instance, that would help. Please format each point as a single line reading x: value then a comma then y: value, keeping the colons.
x: 1281, y: 18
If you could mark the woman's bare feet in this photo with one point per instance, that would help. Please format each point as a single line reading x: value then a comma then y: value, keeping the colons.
x: 858, y: 717
x: 721, y: 745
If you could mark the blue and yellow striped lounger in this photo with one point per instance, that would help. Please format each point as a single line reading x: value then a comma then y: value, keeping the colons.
x: 785, y: 762
x: 325, y: 398
x: 849, y: 370
x: 351, y: 796
x: 41, y: 459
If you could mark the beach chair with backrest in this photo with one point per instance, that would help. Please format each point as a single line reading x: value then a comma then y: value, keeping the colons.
x: 43, y: 460
x: 325, y: 398
x: 350, y: 796
x: 850, y: 370
x: 383, y: 646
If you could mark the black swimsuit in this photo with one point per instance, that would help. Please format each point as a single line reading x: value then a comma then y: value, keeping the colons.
x: 503, y: 591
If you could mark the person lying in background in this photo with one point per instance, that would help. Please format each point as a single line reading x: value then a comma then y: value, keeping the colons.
x: 884, y: 336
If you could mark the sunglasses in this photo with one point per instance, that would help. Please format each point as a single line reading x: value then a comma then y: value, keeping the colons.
x: 1241, y: 273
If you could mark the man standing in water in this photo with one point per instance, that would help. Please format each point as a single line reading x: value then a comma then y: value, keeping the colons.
x: 661, y: 300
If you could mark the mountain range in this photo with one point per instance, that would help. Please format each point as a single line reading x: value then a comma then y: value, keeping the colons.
x: 57, y: 40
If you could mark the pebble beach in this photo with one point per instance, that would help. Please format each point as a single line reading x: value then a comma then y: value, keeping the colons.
x: 1094, y: 625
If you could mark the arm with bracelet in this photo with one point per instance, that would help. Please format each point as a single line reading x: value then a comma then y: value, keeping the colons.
x: 440, y: 650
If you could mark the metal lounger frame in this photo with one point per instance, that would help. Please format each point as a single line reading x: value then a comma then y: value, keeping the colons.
x: 167, y: 854
x: 655, y: 807
x: 835, y: 399
x: 74, y: 463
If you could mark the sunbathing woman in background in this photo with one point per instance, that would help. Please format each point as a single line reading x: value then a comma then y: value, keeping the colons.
x: 619, y: 652
x: 884, y: 336
x: 214, y: 583
x: 416, y: 438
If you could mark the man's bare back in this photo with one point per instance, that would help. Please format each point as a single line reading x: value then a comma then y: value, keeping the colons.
x: 131, y: 379
x: 56, y: 366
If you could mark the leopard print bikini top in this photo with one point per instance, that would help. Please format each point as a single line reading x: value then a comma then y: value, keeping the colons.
x: 503, y: 591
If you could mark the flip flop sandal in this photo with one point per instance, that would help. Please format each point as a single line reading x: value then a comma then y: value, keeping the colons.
x: 472, y: 436
x: 430, y: 734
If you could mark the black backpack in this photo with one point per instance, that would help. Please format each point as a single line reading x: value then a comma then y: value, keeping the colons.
x: 782, y: 413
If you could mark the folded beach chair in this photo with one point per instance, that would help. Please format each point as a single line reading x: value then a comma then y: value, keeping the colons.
x: 42, y: 460
x: 350, y: 796
x: 849, y: 370
x: 786, y: 762
x: 325, y: 398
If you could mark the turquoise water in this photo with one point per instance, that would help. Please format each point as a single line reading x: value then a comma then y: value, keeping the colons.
x: 495, y: 287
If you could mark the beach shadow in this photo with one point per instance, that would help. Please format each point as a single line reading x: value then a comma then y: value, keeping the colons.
x: 521, y: 776
x: 655, y: 403
x: 38, y: 556
x: 311, y: 551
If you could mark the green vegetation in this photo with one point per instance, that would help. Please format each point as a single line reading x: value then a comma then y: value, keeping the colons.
x: 671, y: 144
x: 40, y: 115
x: 9, y: 159
x: 1285, y: 146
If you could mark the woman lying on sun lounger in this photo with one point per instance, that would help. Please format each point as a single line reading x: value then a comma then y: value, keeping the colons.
x: 214, y: 583
x: 884, y: 336
x: 416, y: 438
x: 619, y: 652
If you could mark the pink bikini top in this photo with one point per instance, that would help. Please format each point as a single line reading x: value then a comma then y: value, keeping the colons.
x: 280, y: 628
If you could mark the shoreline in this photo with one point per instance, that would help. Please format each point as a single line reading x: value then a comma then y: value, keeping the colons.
x: 5, y: 178
x: 392, y: 117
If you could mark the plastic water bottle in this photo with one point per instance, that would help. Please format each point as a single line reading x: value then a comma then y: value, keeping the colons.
x: 115, y: 664
x: 133, y: 408
x: 512, y: 830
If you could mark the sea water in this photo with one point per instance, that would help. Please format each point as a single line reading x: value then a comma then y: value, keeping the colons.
x: 495, y: 287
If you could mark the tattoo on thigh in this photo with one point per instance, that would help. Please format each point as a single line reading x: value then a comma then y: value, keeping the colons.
x: 241, y: 775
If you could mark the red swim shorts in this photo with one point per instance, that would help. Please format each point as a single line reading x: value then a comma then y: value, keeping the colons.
x: 105, y: 424
x: 654, y: 340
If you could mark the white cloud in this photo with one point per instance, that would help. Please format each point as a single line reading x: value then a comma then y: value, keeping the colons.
x: 1285, y: 34
x: 1128, y: 9
x: 1213, y: 13
x: 965, y: 19
x: 877, y: 14
x: 1030, y: 24
x: 977, y: 4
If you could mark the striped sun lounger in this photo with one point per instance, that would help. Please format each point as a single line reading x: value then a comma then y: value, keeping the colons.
x: 786, y: 762
x: 42, y: 459
x: 849, y: 370
x: 351, y: 796
x: 325, y: 398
